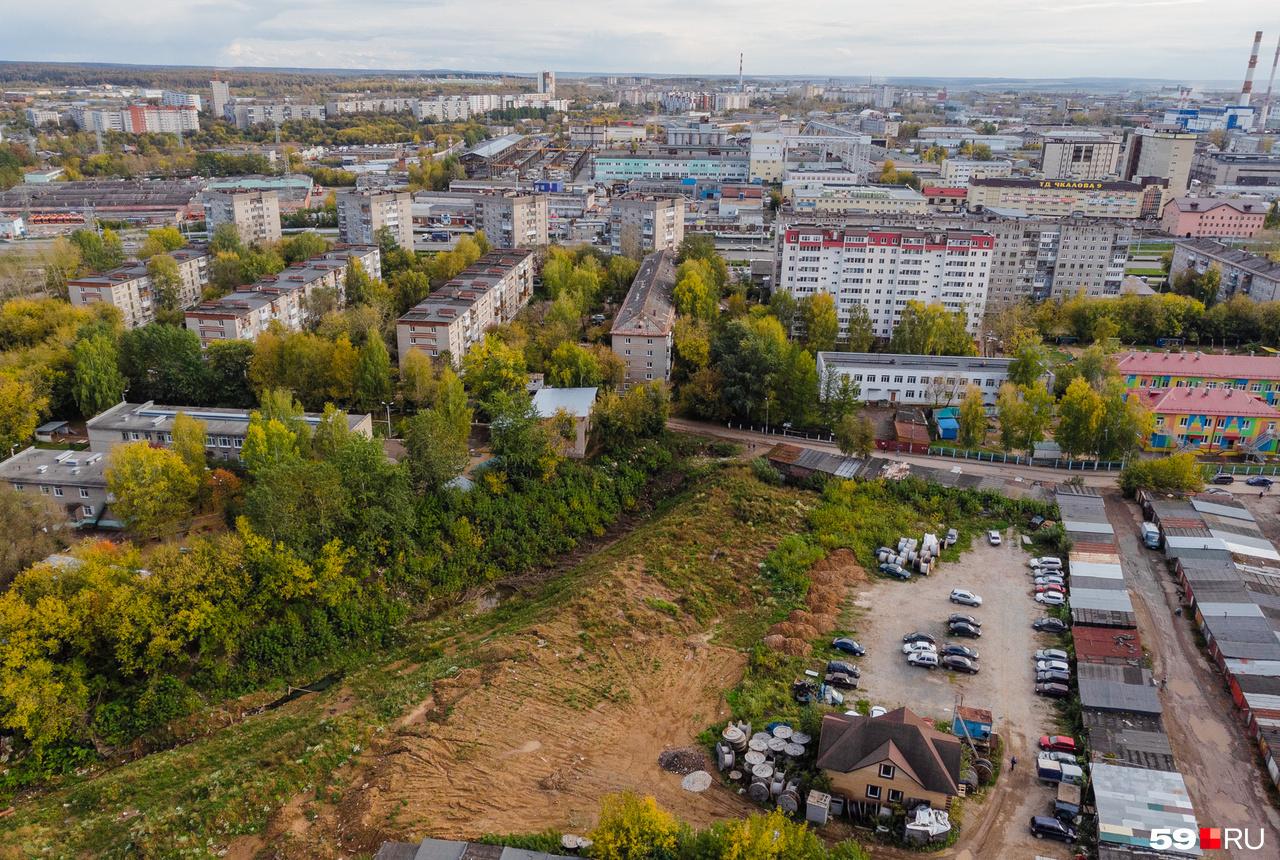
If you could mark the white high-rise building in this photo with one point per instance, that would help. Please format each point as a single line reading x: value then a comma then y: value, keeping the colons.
x: 884, y: 268
x: 221, y: 97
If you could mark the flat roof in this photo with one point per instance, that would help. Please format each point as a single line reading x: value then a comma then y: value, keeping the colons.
x: 1237, y: 368
x: 1132, y: 801
x: 578, y: 402
x: 913, y: 362
x: 43, y: 465
x: 153, y: 417
x: 444, y: 304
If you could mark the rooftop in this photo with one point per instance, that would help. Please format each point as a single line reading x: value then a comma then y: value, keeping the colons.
x: 1055, y: 184
x: 853, y: 360
x: 931, y: 758
x: 1208, y: 204
x: 647, y: 311
x: 1133, y: 801
x: 1253, y: 263
x: 42, y: 465
x: 156, y: 418
x: 578, y: 402
x: 1212, y: 401
x: 457, y: 296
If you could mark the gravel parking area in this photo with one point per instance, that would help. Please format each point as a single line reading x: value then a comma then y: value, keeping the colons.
x: 888, y: 610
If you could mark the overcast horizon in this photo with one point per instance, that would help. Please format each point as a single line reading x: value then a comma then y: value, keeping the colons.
x: 1176, y: 40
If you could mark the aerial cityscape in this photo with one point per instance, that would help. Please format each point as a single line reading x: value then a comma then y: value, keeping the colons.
x: 686, y: 432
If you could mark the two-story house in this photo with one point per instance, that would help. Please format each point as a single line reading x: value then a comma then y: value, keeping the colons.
x: 1212, y: 419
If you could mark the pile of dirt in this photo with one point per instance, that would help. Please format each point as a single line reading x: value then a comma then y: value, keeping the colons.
x: 790, y: 647
x: 682, y: 760
x: 830, y: 580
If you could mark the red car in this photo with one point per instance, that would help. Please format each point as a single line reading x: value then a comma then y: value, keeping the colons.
x: 1041, y: 589
x: 1058, y: 743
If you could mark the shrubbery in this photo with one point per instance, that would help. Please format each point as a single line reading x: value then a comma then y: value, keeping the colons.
x: 1179, y: 473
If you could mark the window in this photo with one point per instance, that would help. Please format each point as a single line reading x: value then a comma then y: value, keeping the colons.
x: 84, y: 494
x: 88, y: 510
x: 18, y: 487
x: 57, y: 491
x: 873, y: 792
x: 895, y: 796
x: 887, y: 771
x: 44, y: 490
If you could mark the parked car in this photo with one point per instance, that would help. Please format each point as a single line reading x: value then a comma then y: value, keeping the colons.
x: 1051, y: 598
x: 952, y: 536
x: 919, y: 637
x: 993, y: 537
x: 962, y: 629
x: 1051, y: 586
x: 927, y: 659
x: 952, y: 648
x: 1259, y: 481
x: 842, y: 666
x: 1048, y: 580
x: 1049, y: 624
x: 959, y: 664
x: 1223, y: 478
x: 1053, y: 689
x: 917, y: 647
x: 1053, y: 676
x: 848, y: 646
x: 1044, y: 826
x: 1045, y: 561
x: 965, y: 597
x: 841, y: 680
x: 1058, y: 743
x: 1052, y: 666
x: 967, y: 619
x: 1042, y: 654
x: 1059, y: 756
x: 895, y: 570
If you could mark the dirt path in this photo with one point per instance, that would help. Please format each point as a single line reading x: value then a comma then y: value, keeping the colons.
x: 1216, y: 759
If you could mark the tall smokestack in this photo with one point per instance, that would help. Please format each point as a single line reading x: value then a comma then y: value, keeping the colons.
x: 1266, y: 102
x: 740, y: 89
x: 1246, y: 92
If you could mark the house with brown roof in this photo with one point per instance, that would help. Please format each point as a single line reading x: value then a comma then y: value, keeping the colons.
x: 896, y: 759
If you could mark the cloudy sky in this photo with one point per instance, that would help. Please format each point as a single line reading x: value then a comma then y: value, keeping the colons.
x: 1176, y: 39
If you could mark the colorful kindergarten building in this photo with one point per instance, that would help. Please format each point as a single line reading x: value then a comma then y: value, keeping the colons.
x: 1159, y: 371
x: 1211, y: 419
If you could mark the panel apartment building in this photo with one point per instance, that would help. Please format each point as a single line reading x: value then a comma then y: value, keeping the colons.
x: 247, y: 312
x: 361, y: 214
x: 645, y: 222
x: 884, y: 268
x: 512, y: 220
x: 1093, y: 198
x: 255, y: 214
x: 643, y: 330
x: 450, y: 320
x: 129, y: 287
x: 1240, y: 272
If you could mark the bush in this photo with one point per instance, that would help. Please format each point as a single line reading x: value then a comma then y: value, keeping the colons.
x: 1179, y: 473
x: 764, y: 471
x: 787, y: 567
x: 634, y: 828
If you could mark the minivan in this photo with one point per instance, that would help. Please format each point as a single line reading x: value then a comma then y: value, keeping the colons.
x: 1150, y: 536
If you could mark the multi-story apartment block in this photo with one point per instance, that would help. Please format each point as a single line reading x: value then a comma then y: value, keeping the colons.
x: 247, y: 312
x: 924, y: 380
x: 547, y: 83
x: 255, y: 214
x: 176, y: 99
x: 221, y: 91
x: 643, y: 330
x: 645, y: 222
x: 443, y: 109
x: 1159, y: 156
x: 38, y: 117
x: 1240, y: 273
x: 245, y: 114
x: 129, y: 287
x: 512, y: 220
x: 453, y: 318
x: 75, y: 481
x: 1158, y: 371
x: 1213, y: 218
x: 225, y: 429
x: 1079, y: 155
x: 361, y: 214
x: 138, y: 119
x: 377, y: 104
x: 722, y: 164
x: 884, y: 268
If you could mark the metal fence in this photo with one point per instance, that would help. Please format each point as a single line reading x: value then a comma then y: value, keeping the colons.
x: 1020, y: 460
x: 1211, y: 469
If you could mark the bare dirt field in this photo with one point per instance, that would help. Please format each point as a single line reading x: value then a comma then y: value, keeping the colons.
x: 888, y: 610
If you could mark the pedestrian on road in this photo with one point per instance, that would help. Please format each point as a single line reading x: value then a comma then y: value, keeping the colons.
x: 1013, y: 763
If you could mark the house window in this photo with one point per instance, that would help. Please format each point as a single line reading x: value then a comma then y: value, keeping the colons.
x: 84, y: 494
x: 44, y: 490
x: 57, y: 491
x: 895, y: 796
x: 887, y: 771
x: 133, y: 436
x: 88, y: 510
x: 873, y: 792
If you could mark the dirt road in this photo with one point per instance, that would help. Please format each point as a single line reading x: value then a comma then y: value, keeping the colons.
x: 1217, y: 761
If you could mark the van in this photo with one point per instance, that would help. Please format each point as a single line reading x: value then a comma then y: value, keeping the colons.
x: 1150, y: 535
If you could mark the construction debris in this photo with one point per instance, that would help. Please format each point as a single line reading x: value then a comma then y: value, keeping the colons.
x: 682, y: 760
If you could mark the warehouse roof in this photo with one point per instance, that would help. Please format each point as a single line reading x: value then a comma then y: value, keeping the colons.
x: 1133, y: 801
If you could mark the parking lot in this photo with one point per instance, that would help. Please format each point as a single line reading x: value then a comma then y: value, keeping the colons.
x: 887, y: 610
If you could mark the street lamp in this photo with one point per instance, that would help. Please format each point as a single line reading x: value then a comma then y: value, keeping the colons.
x: 390, y: 435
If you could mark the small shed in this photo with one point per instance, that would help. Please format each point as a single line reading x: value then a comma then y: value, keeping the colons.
x: 577, y: 404
x: 974, y: 723
x: 948, y: 422
x: 51, y: 431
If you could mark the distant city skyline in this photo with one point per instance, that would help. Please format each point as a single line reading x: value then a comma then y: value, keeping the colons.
x: 1178, y: 40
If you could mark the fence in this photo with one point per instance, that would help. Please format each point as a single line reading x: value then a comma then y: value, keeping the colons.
x: 784, y: 433
x: 1020, y: 460
x: 1211, y: 469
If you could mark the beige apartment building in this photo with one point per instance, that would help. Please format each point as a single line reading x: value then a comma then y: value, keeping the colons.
x: 643, y: 330
x: 1079, y: 155
x: 1092, y: 198
x: 362, y: 213
x: 488, y: 292
x: 512, y: 220
x: 876, y: 199
x: 129, y: 287
x: 646, y: 222
x: 1159, y: 156
x: 255, y: 214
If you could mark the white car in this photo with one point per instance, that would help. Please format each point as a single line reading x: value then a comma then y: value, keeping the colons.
x: 1045, y: 561
x: 1051, y: 598
x: 927, y: 659
x: 1052, y: 666
x: 919, y: 648
x: 1051, y: 654
x: 993, y: 537
x: 965, y: 597
x: 1049, y: 580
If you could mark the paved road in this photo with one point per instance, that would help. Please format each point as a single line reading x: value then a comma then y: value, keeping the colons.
x: 1218, y: 763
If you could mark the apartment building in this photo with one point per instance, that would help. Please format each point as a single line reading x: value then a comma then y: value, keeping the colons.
x: 255, y: 214
x: 282, y: 298
x: 1092, y: 198
x: 225, y: 429
x: 645, y: 222
x: 176, y: 99
x: 512, y: 220
x: 138, y: 119
x: 362, y: 213
x: 721, y: 164
x: 878, y: 199
x: 1240, y: 272
x: 245, y: 114
x: 1079, y: 155
x: 376, y: 104
x: 221, y: 92
x: 644, y: 328
x: 74, y: 481
x: 129, y: 288
x: 38, y: 117
x: 453, y: 318
x: 923, y: 380
x: 884, y: 268
x: 1213, y: 218
x: 957, y: 172
x: 1159, y: 156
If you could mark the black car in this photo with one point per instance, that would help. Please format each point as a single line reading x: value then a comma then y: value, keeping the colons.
x: 848, y: 646
x: 1053, y: 690
x: 1221, y: 478
x: 962, y: 629
x: 840, y: 679
x: 1044, y: 826
x: 960, y: 664
x: 919, y: 637
x: 843, y: 667
x: 1052, y: 676
x: 895, y: 570
x: 1049, y: 625
x: 967, y: 619
x: 1259, y: 481
x: 952, y: 649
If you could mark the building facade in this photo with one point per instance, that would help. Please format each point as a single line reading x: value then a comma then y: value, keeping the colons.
x: 512, y: 219
x: 362, y: 213
x: 1211, y: 420
x: 1213, y: 218
x: 221, y: 97
x: 924, y: 380
x: 1057, y: 197
x: 452, y: 319
x: 957, y: 172
x: 1159, y: 371
x: 643, y: 333
x: 1160, y: 156
x: 254, y: 214
x: 723, y: 165
x: 1240, y: 273
x: 130, y: 290
x: 74, y: 481
x: 877, y: 199
x: 1079, y: 155
x: 1244, y: 170
x: 884, y: 268
x: 645, y: 222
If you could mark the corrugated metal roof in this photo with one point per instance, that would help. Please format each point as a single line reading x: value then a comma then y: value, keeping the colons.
x: 1100, y: 644
x: 1112, y: 556
x: 1223, y: 508
x: 1095, y: 547
x: 1136, y: 740
x: 1104, y: 599
x: 1088, y: 527
x: 1097, y: 582
x: 1094, y: 569
x: 1205, y: 541
x: 1112, y: 619
x: 1132, y: 801
x: 1253, y: 668
x: 1245, y: 609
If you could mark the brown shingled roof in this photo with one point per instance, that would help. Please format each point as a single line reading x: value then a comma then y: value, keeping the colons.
x: 931, y: 758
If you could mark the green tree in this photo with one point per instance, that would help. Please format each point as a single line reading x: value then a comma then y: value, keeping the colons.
x: 931, y: 330
x: 226, y: 239
x: 331, y: 433
x: 165, y: 283
x: 493, y: 366
x: 1079, y: 415
x: 620, y: 421
x: 153, y: 488
x: 633, y: 828
x: 373, y: 374
x: 839, y: 397
x: 521, y: 442
x: 21, y: 407
x: 861, y: 331
x: 161, y: 240
x: 820, y: 322
x: 573, y: 366
x: 303, y: 246
x: 855, y: 435
x: 32, y: 524
x: 99, y: 252
x: 97, y: 381
x: 1123, y: 422
x: 694, y: 295
x: 358, y: 284
x: 163, y: 363
x: 269, y: 442
x: 1030, y: 361
x: 227, y: 365
x: 437, y: 451
x: 770, y: 837
x: 1272, y: 221
x: 972, y: 419
x: 189, y: 443
x: 1175, y: 473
